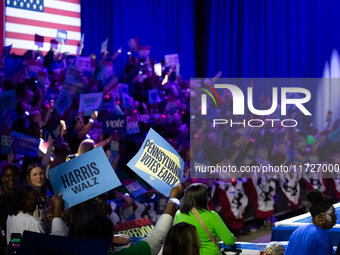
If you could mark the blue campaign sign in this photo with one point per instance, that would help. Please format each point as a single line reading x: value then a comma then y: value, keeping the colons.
x: 158, y: 163
x: 114, y: 123
x: 54, y: 129
x: 52, y: 244
x: 8, y: 100
x: 61, y: 36
x: 153, y: 96
x: 7, y: 120
x: 63, y: 102
x: 132, y: 125
x: 90, y: 102
x: 123, y: 88
x: 127, y: 101
x: 108, y: 106
x: 84, y: 177
x: 25, y: 144
x: 71, y: 60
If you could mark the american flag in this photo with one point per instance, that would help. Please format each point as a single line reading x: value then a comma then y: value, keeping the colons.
x: 33, y: 24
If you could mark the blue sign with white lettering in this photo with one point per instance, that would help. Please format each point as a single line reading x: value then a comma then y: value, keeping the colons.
x: 25, y: 144
x: 153, y: 96
x: 8, y: 100
x: 63, y: 102
x: 84, y: 177
x: 61, y: 36
x: 114, y: 123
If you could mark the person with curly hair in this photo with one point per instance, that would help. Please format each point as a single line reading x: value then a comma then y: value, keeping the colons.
x: 21, y: 217
x: 312, y: 239
x: 9, y: 183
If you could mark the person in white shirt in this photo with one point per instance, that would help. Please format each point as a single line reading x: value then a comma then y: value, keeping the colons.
x: 21, y: 218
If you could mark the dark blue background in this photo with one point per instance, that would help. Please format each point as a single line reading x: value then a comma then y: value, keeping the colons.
x: 167, y: 26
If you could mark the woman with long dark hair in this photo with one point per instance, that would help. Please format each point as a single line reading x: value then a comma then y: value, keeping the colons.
x: 182, y: 239
x: 35, y: 177
x: 194, y: 210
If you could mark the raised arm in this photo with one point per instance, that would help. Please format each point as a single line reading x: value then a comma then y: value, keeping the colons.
x: 88, y: 126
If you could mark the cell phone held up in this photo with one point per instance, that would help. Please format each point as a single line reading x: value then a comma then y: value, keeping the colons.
x: 15, y: 243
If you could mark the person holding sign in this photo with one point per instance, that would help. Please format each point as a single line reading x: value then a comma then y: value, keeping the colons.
x: 21, y: 218
x: 152, y: 244
x: 77, y: 131
x: 194, y: 210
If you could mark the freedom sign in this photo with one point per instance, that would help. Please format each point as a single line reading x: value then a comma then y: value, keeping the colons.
x: 25, y: 144
x: 114, y: 123
x: 158, y: 163
x: 7, y: 120
x: 135, y: 228
x: 89, y: 102
x: 84, y: 177
x: 8, y: 100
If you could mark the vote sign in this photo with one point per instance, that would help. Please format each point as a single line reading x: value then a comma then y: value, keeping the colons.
x: 114, y: 123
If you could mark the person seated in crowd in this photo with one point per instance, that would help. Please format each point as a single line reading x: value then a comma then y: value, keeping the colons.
x: 312, y: 239
x: 182, y: 239
x: 194, y: 210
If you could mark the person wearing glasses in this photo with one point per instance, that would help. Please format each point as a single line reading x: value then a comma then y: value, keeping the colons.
x: 312, y: 239
x: 21, y: 217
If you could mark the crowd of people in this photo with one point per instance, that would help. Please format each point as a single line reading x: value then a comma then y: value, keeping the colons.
x: 213, y: 206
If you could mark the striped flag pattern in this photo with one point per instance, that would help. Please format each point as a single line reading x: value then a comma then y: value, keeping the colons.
x: 33, y: 25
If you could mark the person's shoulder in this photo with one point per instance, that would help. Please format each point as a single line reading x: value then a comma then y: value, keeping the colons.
x: 313, y: 230
x: 308, y: 228
x: 179, y: 214
x: 210, y: 214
